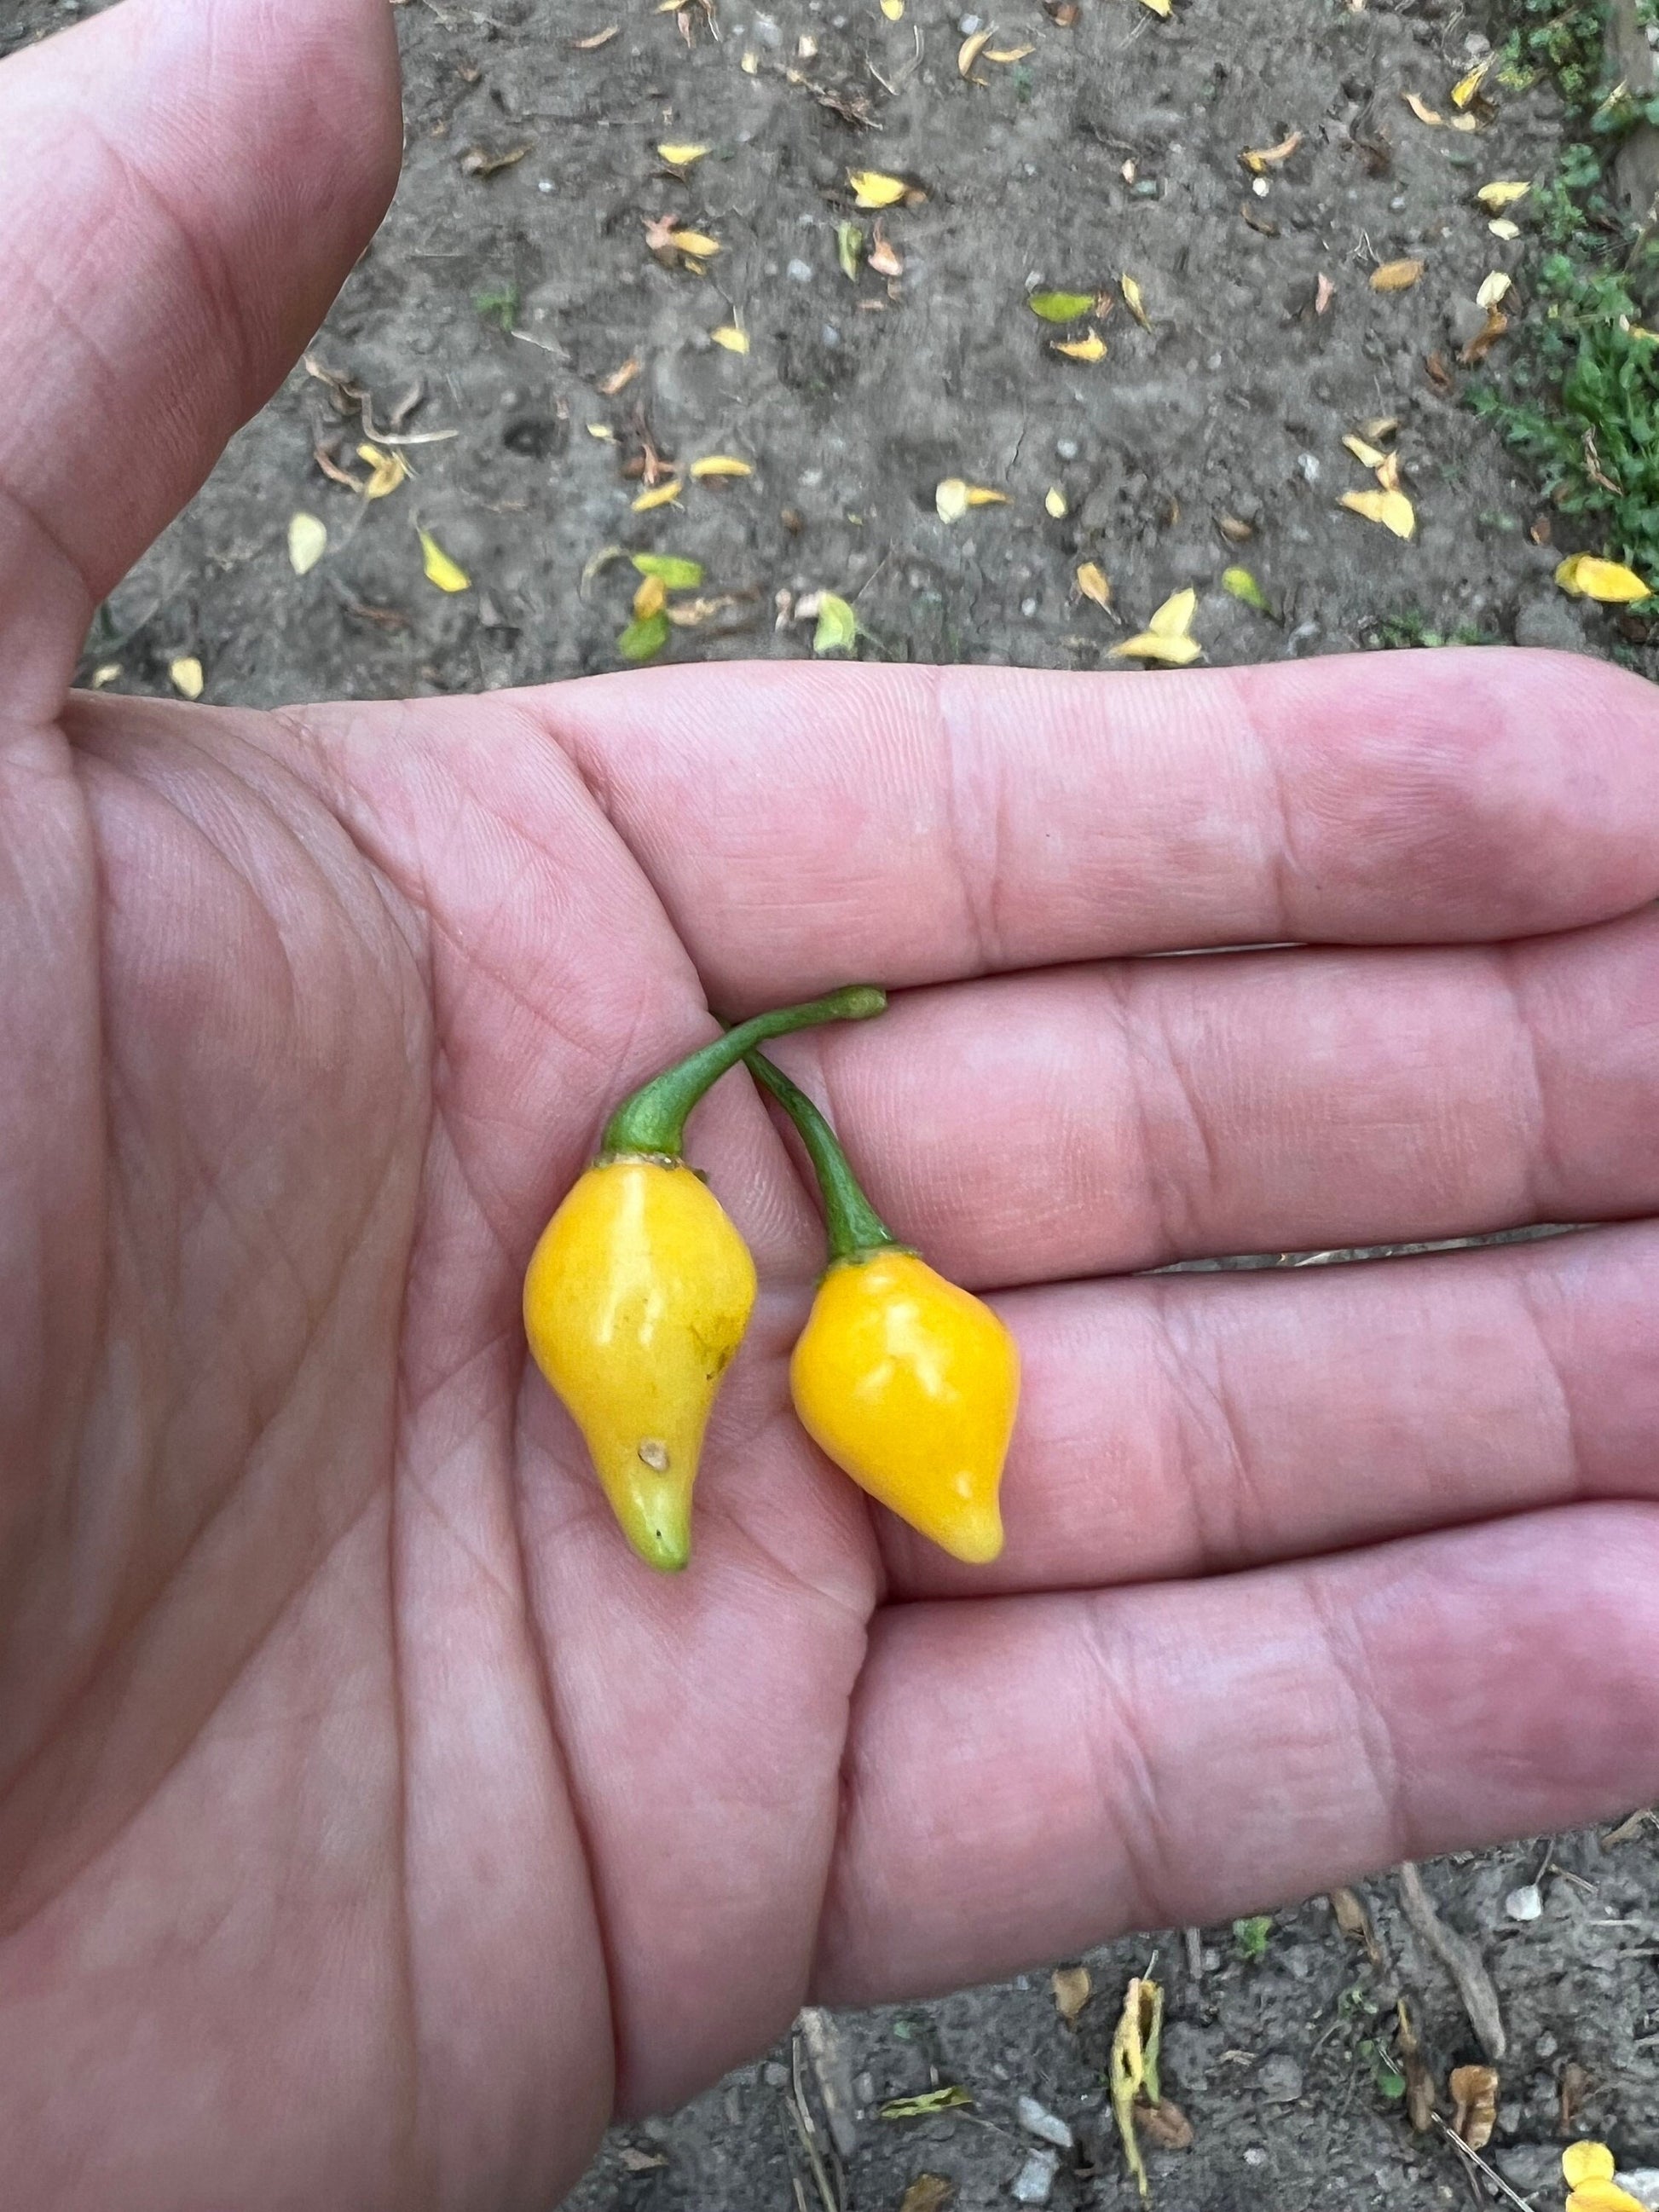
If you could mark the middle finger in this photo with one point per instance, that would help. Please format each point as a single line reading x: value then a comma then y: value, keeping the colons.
x: 1121, y: 1116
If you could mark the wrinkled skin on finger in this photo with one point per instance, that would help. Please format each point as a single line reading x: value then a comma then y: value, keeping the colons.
x: 373, y: 1824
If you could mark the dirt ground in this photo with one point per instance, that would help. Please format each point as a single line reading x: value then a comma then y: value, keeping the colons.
x: 492, y: 323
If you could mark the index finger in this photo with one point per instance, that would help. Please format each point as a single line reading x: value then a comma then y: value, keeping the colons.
x: 802, y: 824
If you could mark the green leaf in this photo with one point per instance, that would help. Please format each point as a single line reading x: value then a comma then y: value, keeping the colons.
x: 1251, y: 1936
x: 1060, y: 307
x: 644, y: 640
x: 917, y: 2108
x: 678, y: 574
x: 850, y: 248
x: 838, y: 626
x: 1239, y: 583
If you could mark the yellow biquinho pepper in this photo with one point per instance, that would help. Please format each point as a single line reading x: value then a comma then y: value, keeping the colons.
x: 909, y: 1383
x: 639, y: 1290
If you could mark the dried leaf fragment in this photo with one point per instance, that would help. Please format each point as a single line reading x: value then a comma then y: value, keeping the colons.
x: 1355, y: 1922
x: 1174, y: 618
x: 1053, y: 504
x: 720, y: 465
x: 1060, y: 307
x: 1475, y: 2098
x: 928, y: 2192
x: 1165, y: 2125
x: 1483, y: 340
x: 1367, y: 455
x: 1091, y: 582
x: 1421, y: 109
x: 1391, y: 508
x: 619, y: 378
x: 881, y: 256
x: 635, y: 2161
x: 849, y: 249
x: 732, y: 337
x: 448, y: 575
x: 1070, y: 1984
x: 1396, y: 276
x: 1388, y: 472
x: 970, y: 50
x: 1260, y: 159
x: 1610, y: 583
x: 1134, y: 300
x: 1500, y: 194
x: 186, y: 676
x: 930, y: 2100
x: 592, y: 44
x: 308, y: 542
x: 662, y: 494
x: 680, y: 156
x: 477, y: 161
x: 1004, y: 57
x: 837, y: 627
x: 1091, y: 347
x: 872, y: 189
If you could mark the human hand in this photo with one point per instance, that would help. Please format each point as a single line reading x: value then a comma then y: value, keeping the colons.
x: 371, y: 1821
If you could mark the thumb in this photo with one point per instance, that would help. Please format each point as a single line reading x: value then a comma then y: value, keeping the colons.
x: 187, y: 188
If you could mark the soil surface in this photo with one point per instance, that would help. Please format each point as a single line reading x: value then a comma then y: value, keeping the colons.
x: 495, y: 318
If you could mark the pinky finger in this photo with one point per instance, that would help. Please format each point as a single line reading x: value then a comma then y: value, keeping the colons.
x: 1029, y: 1776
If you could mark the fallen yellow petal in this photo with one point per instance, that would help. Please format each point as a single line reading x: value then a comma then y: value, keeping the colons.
x: 970, y: 50
x: 679, y: 156
x: 1174, y: 652
x: 1586, y: 2161
x: 1091, y: 582
x: 1465, y: 122
x: 388, y: 470
x: 1493, y: 289
x: 1053, y: 501
x: 1388, y: 472
x: 1159, y: 7
x: 448, y: 575
x: 104, y: 677
x: 1501, y: 226
x: 602, y: 431
x: 720, y: 465
x: 1396, y: 276
x: 1134, y: 300
x: 1608, y: 582
x: 1003, y: 56
x: 1501, y: 194
x: 1603, y: 2196
x: 1391, y: 508
x: 870, y: 189
x: 1367, y: 456
x: 1091, y: 347
x: 662, y: 494
x: 981, y: 496
x: 729, y: 335
x: 186, y: 675
x: 650, y: 599
x: 750, y: 63
x: 1174, y: 618
x: 893, y: 9
x: 308, y: 542
x: 694, y: 241
x: 1466, y: 87
x: 1421, y: 109
x: 951, y: 499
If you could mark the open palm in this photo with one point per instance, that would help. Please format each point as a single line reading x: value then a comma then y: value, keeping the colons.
x: 372, y: 1823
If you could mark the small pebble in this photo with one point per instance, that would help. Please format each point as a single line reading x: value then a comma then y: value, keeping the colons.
x: 775, y: 2075
x: 1546, y: 2046
x: 1255, y: 2155
x: 1526, y: 1903
x: 1308, y: 466
x: 1038, y: 2120
x: 1028, y: 608
x: 830, y: 334
x: 968, y: 26
x: 1034, y: 2182
x: 800, y: 272
x: 864, y: 2088
x: 1067, y: 448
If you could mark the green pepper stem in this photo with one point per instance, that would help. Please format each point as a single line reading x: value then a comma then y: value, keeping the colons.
x: 855, y: 1227
x: 653, y: 1120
